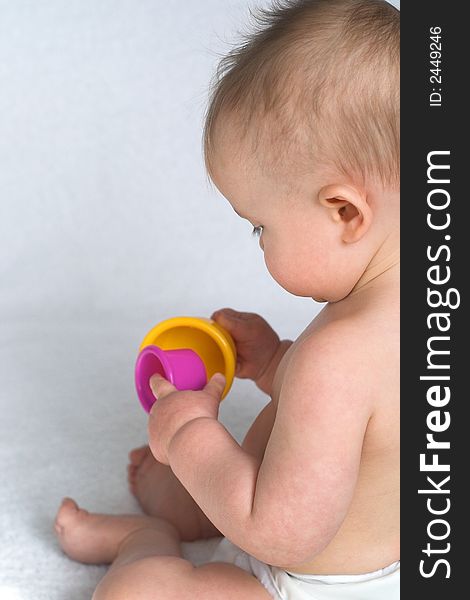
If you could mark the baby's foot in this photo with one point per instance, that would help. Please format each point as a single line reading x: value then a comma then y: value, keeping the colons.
x: 160, y: 494
x: 94, y: 538
x: 149, y: 481
x: 141, y: 461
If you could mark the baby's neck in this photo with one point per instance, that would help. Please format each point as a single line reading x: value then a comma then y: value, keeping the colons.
x: 382, y: 271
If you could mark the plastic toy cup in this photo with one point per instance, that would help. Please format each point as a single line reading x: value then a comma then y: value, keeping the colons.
x: 182, y: 367
x: 176, y: 349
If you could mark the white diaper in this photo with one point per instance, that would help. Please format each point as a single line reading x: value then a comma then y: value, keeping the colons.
x: 383, y: 584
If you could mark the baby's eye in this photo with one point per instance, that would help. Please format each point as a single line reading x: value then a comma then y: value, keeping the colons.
x: 257, y: 231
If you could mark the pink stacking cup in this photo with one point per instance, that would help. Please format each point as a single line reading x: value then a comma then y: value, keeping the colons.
x: 182, y: 367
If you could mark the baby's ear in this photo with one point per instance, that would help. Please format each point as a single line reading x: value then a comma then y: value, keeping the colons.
x: 347, y: 206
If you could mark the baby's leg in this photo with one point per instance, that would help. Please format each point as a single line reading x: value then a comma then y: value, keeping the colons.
x: 147, y: 561
x: 160, y: 494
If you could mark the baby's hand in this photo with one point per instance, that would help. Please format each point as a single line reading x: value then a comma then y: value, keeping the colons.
x: 255, y: 339
x: 173, y: 409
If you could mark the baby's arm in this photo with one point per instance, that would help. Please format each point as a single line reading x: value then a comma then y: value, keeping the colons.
x: 287, y: 508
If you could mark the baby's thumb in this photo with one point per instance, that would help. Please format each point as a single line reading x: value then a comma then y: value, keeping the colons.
x: 216, y: 385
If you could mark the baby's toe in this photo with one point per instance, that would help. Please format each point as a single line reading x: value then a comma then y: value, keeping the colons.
x: 68, y: 516
x: 131, y: 476
x: 138, y: 455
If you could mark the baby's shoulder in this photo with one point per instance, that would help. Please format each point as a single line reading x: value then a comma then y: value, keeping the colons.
x: 363, y: 339
x: 321, y: 384
x: 329, y: 357
x: 342, y: 338
x: 338, y: 357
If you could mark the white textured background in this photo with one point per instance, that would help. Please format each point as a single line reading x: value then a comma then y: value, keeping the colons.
x: 107, y: 226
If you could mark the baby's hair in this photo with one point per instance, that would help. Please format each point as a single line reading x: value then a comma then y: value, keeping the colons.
x: 316, y: 82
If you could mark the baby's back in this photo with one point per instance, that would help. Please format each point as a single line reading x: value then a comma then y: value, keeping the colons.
x: 368, y: 328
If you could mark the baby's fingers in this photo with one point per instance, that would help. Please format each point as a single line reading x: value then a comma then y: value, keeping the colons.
x: 238, y: 324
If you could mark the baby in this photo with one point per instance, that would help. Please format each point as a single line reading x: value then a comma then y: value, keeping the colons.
x: 302, y: 138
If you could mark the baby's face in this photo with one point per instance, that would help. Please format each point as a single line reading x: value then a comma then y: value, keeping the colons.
x: 295, y: 235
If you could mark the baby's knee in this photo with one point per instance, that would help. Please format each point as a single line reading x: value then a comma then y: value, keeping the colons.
x: 140, y: 579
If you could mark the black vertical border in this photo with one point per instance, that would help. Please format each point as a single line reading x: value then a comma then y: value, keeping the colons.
x: 426, y: 129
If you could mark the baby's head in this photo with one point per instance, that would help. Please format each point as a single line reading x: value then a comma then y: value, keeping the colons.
x: 302, y: 138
